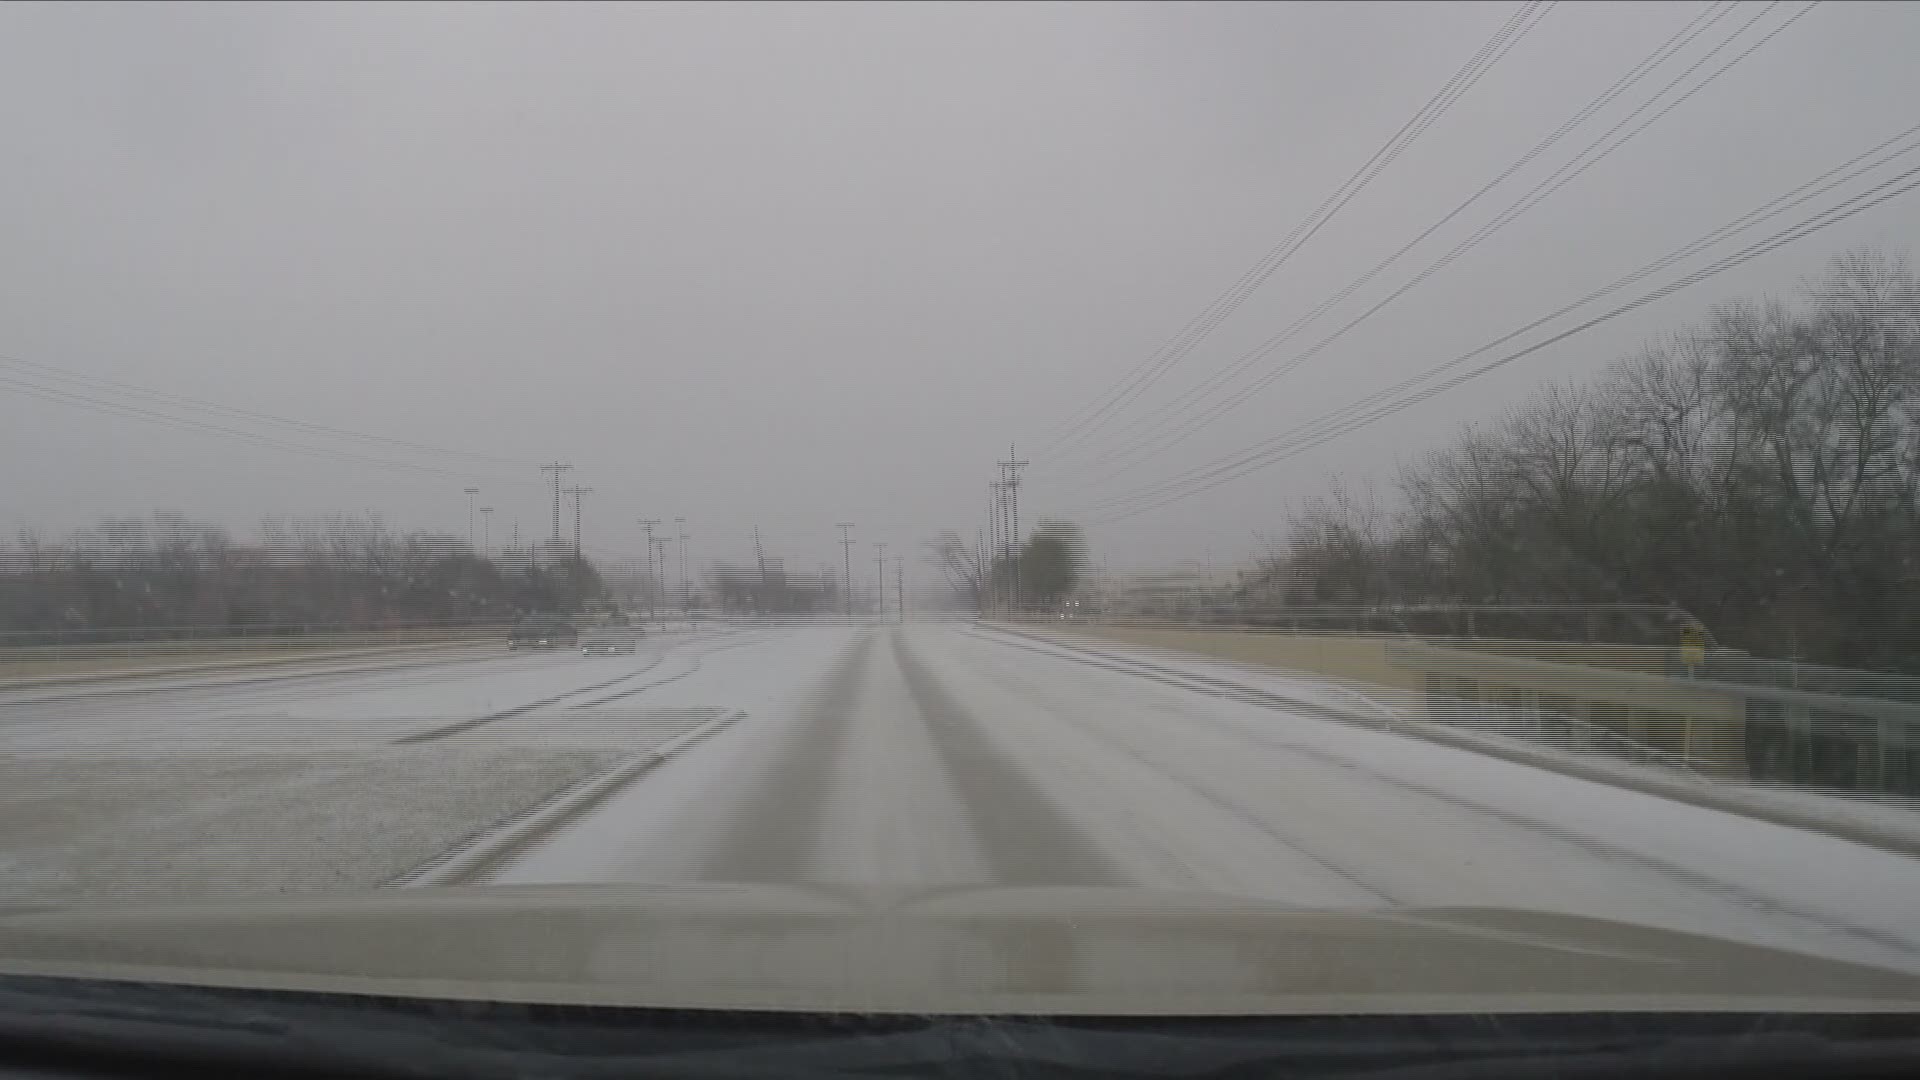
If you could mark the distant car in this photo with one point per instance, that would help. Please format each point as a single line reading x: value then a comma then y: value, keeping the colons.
x: 609, y: 641
x: 543, y: 633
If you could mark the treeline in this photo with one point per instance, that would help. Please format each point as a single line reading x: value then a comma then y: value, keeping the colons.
x: 168, y: 575
x: 1045, y: 572
x: 1761, y: 471
x: 755, y: 590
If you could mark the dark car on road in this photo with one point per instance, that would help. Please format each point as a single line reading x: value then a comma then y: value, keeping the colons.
x: 543, y: 632
x: 610, y: 640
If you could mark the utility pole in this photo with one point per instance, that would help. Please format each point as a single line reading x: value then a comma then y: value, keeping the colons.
x: 1002, y: 555
x: 686, y: 599
x: 663, y: 542
x: 652, y: 578
x: 486, y: 532
x: 1012, y: 466
x: 471, y: 492
x: 557, y: 468
x: 1006, y: 548
x: 846, y: 558
x: 761, y: 596
x: 980, y: 570
x: 880, y: 566
x: 900, y: 585
x: 996, y: 547
x: 577, y: 493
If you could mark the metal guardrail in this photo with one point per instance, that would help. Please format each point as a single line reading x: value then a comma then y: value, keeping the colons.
x: 1573, y: 623
x: 1803, y: 738
x: 1809, y: 736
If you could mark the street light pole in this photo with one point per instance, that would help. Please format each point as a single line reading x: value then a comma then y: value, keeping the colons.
x: 486, y: 532
x: 652, y: 578
x: 471, y: 492
x: 880, y: 565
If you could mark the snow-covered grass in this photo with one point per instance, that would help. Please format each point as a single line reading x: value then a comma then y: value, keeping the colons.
x: 317, y: 780
x: 257, y: 822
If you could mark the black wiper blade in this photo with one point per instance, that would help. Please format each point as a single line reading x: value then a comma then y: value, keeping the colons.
x: 212, y: 1031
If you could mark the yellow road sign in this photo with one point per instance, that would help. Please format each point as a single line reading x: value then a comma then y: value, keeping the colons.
x: 1693, y: 646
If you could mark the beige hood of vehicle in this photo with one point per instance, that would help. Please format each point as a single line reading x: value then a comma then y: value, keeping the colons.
x: 998, y: 950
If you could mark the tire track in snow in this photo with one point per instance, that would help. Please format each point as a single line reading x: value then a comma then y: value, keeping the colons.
x: 1022, y: 832
x: 1584, y: 842
x: 1231, y: 807
x: 774, y: 834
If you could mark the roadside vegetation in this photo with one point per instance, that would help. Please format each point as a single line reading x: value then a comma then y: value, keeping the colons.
x: 1047, y: 567
x: 1761, y: 471
x: 167, y: 575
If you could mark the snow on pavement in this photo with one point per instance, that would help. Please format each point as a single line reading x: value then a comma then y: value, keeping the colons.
x: 251, y: 786
x: 925, y: 757
x: 931, y: 737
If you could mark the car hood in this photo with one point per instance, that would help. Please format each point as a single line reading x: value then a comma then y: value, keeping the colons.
x: 1060, y: 951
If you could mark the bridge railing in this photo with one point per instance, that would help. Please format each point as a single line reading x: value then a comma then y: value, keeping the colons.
x: 1635, y: 702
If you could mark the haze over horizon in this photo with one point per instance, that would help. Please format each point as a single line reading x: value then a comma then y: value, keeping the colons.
x: 782, y: 267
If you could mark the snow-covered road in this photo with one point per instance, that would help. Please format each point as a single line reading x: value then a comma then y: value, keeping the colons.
x: 931, y: 756
x: 926, y: 757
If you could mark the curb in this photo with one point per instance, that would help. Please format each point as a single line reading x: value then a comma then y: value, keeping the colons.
x: 472, y: 861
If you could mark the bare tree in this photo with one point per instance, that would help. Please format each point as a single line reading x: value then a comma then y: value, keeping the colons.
x: 1762, y: 471
x: 964, y: 567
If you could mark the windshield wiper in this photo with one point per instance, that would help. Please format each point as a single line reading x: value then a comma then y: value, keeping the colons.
x: 87, y: 1024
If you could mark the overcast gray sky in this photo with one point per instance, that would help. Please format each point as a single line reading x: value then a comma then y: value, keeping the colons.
x: 787, y: 265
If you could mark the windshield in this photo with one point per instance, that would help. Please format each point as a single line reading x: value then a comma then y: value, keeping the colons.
x: 1451, y: 471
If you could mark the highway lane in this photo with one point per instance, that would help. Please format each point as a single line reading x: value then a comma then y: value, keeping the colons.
x: 925, y: 757
x: 942, y: 757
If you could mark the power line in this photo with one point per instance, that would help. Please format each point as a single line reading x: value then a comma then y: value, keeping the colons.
x: 1805, y: 192
x: 1335, y: 424
x: 145, y: 415
x: 1347, y: 419
x: 1541, y: 191
x: 1169, y: 416
x: 150, y: 395
x: 1229, y: 302
x: 1223, y: 306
